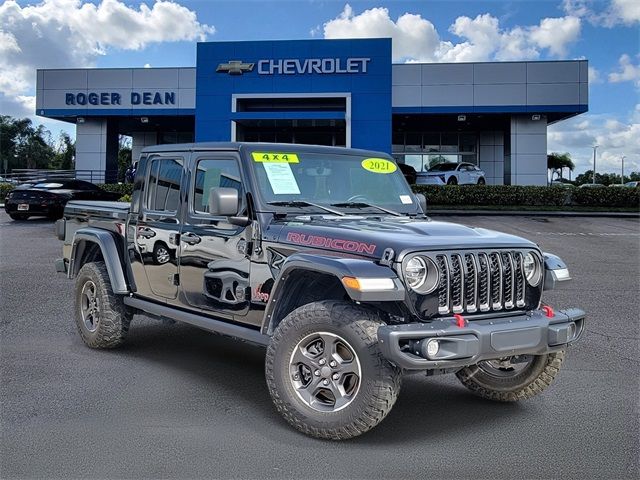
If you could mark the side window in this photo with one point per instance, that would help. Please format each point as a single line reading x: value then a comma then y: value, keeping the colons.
x: 163, y: 186
x: 212, y: 174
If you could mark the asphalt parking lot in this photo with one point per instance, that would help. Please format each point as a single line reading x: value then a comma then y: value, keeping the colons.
x: 177, y: 402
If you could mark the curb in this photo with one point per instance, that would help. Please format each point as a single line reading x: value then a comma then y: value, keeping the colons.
x: 533, y: 213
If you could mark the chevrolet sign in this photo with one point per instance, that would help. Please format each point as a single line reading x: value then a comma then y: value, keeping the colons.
x: 292, y: 66
x: 235, y: 67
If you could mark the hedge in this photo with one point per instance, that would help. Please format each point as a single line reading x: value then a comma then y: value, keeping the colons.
x: 121, y: 188
x: 516, y: 195
x: 486, y: 195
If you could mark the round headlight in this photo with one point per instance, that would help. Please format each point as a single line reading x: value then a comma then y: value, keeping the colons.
x: 531, y: 269
x: 421, y: 274
x: 415, y: 273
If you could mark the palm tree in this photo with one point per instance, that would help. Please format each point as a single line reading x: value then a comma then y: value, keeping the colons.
x: 557, y: 162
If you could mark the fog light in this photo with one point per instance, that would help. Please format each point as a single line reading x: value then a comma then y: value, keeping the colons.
x: 432, y: 348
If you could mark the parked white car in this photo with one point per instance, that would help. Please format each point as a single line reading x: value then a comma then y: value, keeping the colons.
x: 452, y: 174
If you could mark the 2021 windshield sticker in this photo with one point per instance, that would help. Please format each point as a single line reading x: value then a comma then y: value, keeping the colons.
x: 379, y: 165
x: 275, y: 157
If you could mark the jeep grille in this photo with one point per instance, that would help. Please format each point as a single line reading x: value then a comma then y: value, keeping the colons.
x: 480, y: 281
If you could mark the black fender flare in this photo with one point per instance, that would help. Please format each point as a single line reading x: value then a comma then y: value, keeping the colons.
x: 338, y: 267
x: 110, y: 253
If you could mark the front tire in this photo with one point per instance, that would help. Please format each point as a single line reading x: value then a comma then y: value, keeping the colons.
x: 325, y: 372
x: 101, y: 316
x: 511, y: 379
x: 481, y: 181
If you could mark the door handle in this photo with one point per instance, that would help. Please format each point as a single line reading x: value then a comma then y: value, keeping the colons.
x: 146, y: 232
x: 190, y: 238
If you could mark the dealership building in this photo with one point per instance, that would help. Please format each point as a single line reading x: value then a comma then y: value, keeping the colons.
x: 326, y: 92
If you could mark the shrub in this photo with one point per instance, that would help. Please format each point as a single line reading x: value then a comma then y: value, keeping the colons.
x: 494, y: 195
x: 4, y: 189
x: 121, y: 188
x: 607, y: 197
x: 521, y: 195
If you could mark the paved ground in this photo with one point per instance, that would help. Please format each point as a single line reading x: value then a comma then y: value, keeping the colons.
x: 182, y: 403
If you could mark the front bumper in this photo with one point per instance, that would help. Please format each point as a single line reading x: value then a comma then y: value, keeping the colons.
x: 429, y: 180
x: 533, y: 333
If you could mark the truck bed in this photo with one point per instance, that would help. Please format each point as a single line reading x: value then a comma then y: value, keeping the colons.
x: 105, y: 210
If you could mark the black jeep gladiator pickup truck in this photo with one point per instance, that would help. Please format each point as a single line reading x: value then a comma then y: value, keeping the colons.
x: 325, y: 256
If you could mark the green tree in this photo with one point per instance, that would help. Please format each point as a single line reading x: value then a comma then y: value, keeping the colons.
x: 24, y: 146
x: 64, y: 158
x: 124, y: 156
x: 557, y: 162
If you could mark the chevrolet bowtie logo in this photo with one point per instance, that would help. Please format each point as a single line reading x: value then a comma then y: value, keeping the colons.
x: 235, y: 67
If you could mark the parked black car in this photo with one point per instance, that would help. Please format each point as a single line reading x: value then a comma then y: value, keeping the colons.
x: 48, y: 197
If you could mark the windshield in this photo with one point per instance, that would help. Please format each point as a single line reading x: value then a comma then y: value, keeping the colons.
x: 350, y: 183
x: 443, y: 167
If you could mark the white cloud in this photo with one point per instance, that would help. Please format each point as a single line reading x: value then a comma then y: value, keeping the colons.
x: 73, y: 33
x: 413, y: 37
x: 606, y: 14
x: 614, y: 137
x: 556, y: 34
x: 628, y: 72
x: 416, y: 39
x: 594, y: 76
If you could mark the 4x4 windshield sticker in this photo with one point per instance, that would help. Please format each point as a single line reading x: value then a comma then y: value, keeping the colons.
x: 275, y: 157
x: 281, y: 178
x: 379, y: 165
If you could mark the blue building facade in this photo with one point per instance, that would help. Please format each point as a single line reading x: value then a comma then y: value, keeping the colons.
x: 347, y: 82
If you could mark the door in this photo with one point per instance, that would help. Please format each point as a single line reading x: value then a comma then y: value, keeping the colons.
x: 158, y: 224
x: 214, y: 258
x: 464, y: 174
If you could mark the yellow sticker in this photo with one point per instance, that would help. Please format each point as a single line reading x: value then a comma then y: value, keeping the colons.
x: 273, y: 157
x: 379, y: 165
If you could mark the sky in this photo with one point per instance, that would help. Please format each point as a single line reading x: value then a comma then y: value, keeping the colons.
x: 114, y: 33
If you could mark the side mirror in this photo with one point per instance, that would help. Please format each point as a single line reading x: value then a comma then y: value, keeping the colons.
x: 223, y: 201
x: 422, y: 200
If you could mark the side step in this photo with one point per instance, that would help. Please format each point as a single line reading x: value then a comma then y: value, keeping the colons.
x: 206, y: 323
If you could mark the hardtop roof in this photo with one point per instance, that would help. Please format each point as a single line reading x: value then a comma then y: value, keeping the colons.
x: 252, y: 146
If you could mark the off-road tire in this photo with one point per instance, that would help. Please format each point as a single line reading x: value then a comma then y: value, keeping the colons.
x: 113, y: 318
x: 452, y: 181
x: 18, y: 216
x: 526, y: 384
x: 380, y: 380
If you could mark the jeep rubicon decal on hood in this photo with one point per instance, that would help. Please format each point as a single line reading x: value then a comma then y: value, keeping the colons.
x: 333, y: 243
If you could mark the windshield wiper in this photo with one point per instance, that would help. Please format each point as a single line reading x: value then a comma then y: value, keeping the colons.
x: 363, y: 205
x: 304, y: 203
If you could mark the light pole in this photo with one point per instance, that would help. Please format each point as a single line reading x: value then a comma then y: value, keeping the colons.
x: 622, y: 173
x: 595, y: 147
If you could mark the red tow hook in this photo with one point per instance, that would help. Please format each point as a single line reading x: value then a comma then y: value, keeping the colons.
x: 548, y: 311
x: 460, y: 321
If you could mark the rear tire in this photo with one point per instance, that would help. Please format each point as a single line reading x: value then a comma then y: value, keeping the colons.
x: 496, y: 380
x: 452, y: 181
x: 325, y: 372
x: 101, y: 316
